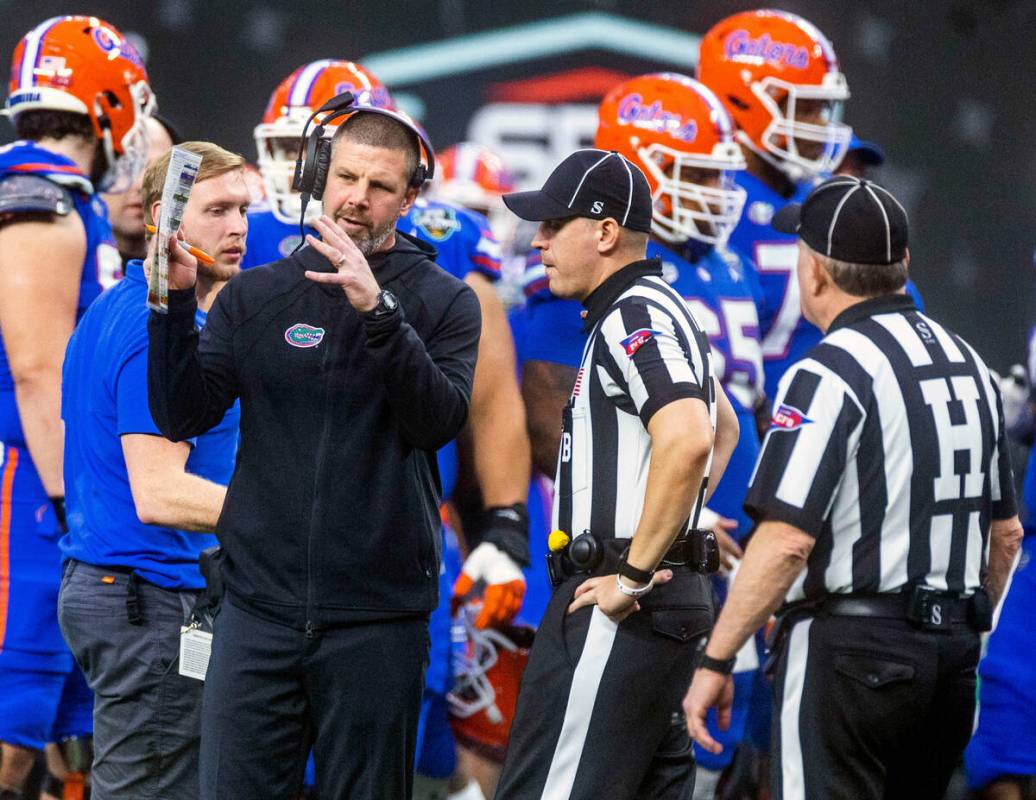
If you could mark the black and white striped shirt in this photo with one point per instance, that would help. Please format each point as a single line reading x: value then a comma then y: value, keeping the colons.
x: 887, y: 445
x: 645, y: 350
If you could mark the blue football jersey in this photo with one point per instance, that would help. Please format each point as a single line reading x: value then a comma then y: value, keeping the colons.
x: 269, y: 239
x: 721, y: 289
x: 785, y: 335
x: 461, y: 237
x: 546, y: 328
x: 102, y: 266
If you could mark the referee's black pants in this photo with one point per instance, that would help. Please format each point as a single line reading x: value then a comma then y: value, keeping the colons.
x: 351, y: 692
x: 870, y: 709
x: 599, y: 711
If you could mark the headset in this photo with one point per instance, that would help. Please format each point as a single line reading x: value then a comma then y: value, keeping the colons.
x: 314, y: 158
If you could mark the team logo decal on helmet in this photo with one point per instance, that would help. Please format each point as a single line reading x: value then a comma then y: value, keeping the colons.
x: 740, y: 46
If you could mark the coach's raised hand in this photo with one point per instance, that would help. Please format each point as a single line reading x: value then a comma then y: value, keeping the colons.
x: 353, y: 273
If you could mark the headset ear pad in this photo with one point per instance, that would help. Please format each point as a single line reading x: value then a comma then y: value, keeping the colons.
x: 419, y: 177
x: 321, y: 166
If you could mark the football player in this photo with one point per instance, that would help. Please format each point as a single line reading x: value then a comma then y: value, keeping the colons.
x: 499, y: 453
x: 125, y: 209
x: 1000, y: 759
x: 779, y: 78
x: 79, y: 98
x: 471, y: 176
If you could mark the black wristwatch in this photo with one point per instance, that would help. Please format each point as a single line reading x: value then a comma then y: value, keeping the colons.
x: 627, y: 570
x: 723, y: 667
x: 386, y: 306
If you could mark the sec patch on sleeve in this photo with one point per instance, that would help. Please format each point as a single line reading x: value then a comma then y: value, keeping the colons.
x: 632, y: 343
x: 788, y: 418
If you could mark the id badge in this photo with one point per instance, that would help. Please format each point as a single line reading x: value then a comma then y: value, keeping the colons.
x: 195, y: 649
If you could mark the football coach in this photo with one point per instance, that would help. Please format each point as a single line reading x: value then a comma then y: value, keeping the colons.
x: 353, y: 360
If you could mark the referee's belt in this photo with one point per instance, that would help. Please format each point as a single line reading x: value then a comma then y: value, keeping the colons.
x: 923, y: 606
x: 592, y: 555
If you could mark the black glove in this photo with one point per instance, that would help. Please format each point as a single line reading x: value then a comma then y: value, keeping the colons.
x: 508, y: 528
x: 58, y: 503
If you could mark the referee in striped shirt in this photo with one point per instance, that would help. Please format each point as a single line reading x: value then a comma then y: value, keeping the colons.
x: 645, y: 434
x: 887, y: 524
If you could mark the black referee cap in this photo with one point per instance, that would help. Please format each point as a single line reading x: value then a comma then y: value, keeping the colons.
x: 849, y: 219
x: 589, y: 183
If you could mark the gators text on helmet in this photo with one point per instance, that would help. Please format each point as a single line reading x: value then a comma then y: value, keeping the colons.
x: 779, y: 78
x: 679, y: 134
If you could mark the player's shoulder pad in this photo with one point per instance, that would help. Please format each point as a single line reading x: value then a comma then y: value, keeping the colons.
x: 33, y: 194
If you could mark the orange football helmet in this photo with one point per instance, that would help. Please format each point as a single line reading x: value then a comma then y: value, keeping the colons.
x: 485, y: 692
x: 679, y: 134
x: 291, y: 104
x: 474, y: 177
x: 86, y: 66
x: 779, y: 78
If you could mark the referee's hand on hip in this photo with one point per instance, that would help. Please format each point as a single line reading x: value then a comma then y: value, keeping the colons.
x: 604, y: 592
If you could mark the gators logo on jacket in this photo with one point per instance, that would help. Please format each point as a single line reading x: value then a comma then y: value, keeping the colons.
x: 302, y: 335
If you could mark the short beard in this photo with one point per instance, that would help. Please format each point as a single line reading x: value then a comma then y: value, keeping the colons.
x: 370, y: 243
x: 216, y: 272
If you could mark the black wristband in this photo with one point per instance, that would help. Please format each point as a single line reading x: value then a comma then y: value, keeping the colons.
x: 507, y: 527
x: 724, y: 667
x: 627, y: 570
x: 58, y: 503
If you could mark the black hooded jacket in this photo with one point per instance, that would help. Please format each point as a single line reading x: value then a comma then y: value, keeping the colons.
x: 332, y: 513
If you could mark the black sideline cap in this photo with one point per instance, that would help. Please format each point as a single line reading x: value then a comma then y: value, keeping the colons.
x: 849, y: 219
x: 589, y: 183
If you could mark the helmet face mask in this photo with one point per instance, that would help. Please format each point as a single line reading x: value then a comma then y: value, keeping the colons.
x: 125, y: 167
x: 804, y: 148
x: 695, y: 197
x: 277, y: 146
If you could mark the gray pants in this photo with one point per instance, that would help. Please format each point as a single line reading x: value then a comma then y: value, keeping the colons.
x: 147, y: 717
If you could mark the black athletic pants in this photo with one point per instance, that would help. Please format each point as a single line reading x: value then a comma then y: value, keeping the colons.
x: 598, y: 713
x: 870, y: 709
x: 353, y: 693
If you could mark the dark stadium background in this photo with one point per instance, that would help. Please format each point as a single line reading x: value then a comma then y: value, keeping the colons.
x: 945, y: 87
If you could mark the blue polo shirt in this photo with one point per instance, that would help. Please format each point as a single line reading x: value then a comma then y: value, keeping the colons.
x: 104, y: 397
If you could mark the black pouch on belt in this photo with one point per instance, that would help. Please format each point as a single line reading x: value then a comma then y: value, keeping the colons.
x: 210, y: 562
